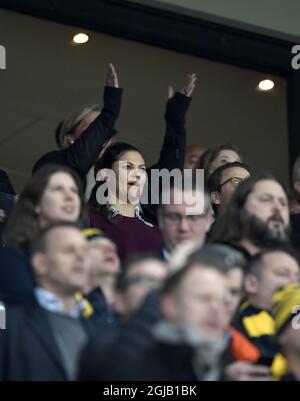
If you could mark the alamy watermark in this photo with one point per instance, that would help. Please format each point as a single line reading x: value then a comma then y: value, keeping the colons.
x: 153, y: 189
x: 2, y: 317
x: 296, y: 319
x: 2, y: 58
x: 296, y: 59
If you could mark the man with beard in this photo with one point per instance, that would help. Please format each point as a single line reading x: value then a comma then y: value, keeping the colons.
x: 257, y: 216
x: 268, y: 271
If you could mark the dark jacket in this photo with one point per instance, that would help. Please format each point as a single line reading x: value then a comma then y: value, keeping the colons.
x: 84, y: 152
x: 101, y: 310
x: 5, y: 183
x: 7, y: 201
x: 295, y: 230
x: 172, y: 154
x: 28, y: 349
x: 158, y: 361
x: 153, y: 359
x: 16, y: 278
x: 130, y: 337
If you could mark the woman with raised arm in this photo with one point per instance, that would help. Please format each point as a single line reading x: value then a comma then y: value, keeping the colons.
x: 87, y: 141
x: 172, y: 154
x: 115, y: 203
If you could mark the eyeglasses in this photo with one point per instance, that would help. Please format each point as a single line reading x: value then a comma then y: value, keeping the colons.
x: 235, y: 181
x: 176, y: 218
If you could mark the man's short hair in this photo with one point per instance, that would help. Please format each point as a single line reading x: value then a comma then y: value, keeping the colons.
x: 38, y: 244
x: 256, y: 264
x: 122, y: 277
x: 185, y: 184
x: 205, y: 258
x: 231, y: 257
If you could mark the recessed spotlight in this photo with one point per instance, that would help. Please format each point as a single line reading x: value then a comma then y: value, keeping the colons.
x: 266, y: 85
x: 80, y: 38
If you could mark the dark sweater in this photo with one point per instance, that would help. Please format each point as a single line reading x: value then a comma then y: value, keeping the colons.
x: 5, y: 183
x: 172, y: 154
x: 70, y: 337
x: 130, y: 234
x: 16, y: 278
x: 28, y: 346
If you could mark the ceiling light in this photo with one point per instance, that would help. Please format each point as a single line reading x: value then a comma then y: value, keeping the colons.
x: 266, y: 85
x: 80, y: 38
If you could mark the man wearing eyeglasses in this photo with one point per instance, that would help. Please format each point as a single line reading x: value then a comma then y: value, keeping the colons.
x: 223, y: 182
x: 186, y: 220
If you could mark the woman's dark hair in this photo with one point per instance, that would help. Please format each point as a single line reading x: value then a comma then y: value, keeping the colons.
x: 23, y: 223
x: 211, y: 154
x: 111, y: 155
x: 204, y: 159
x: 218, y: 149
x: 229, y: 226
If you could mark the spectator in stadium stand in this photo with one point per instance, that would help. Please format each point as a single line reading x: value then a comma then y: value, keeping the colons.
x: 187, y: 216
x: 115, y: 204
x: 69, y: 129
x: 242, y: 361
x: 87, y: 138
x: 80, y: 151
x: 104, y: 269
x: 43, y: 339
x: 256, y: 218
x: 53, y: 193
x: 140, y: 276
x: 268, y: 271
x: 215, y: 157
x: 135, y: 232
x: 286, y: 316
x: 223, y: 182
x: 192, y: 155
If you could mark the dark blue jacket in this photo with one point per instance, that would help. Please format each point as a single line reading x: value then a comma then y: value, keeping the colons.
x: 16, y: 278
